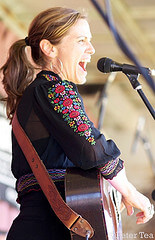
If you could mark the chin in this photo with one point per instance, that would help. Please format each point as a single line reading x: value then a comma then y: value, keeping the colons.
x: 81, y: 81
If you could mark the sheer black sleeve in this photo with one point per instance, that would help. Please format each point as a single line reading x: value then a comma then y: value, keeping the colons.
x: 84, y: 145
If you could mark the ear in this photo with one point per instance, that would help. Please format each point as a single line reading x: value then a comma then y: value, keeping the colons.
x: 47, y: 48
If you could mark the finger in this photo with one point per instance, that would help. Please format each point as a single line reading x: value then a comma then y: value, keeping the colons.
x: 142, y: 220
x: 130, y: 210
x: 140, y: 214
x: 142, y: 217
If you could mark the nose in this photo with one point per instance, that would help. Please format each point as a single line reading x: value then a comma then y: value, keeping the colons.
x: 90, y: 48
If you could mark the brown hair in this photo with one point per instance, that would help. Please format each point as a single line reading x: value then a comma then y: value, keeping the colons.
x: 51, y: 24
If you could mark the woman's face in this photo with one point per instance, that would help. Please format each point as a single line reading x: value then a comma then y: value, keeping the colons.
x: 74, y: 51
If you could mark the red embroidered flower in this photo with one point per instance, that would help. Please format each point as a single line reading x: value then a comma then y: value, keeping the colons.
x: 65, y: 111
x: 83, y: 127
x: 72, y: 92
x: 76, y: 107
x: 56, y: 100
x: 67, y: 102
x: 74, y: 114
x: 60, y: 89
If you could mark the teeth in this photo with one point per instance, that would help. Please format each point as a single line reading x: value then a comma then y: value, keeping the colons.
x: 85, y: 60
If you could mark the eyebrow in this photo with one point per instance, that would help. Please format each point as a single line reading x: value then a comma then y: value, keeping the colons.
x: 83, y: 36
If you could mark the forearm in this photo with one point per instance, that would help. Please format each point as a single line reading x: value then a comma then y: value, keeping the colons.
x: 121, y: 183
x: 132, y: 198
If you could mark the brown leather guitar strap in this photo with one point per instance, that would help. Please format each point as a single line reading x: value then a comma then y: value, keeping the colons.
x: 70, y: 219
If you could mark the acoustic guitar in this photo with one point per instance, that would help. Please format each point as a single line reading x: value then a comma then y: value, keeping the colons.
x: 91, y: 196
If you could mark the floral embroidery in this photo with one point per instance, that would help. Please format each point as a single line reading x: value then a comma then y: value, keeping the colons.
x: 82, y: 127
x: 66, y: 102
x: 59, y: 89
x: 74, y: 114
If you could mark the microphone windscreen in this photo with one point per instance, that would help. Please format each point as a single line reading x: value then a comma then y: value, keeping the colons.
x: 104, y: 65
x: 153, y: 194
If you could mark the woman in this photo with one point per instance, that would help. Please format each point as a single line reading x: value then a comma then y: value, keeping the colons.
x: 51, y: 112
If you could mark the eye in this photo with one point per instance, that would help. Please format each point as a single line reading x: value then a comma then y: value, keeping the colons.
x: 82, y: 40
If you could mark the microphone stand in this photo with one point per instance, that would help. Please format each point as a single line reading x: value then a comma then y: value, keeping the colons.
x: 137, y: 86
x: 145, y: 140
x: 147, y: 148
x: 103, y: 99
x: 146, y: 145
x: 103, y: 102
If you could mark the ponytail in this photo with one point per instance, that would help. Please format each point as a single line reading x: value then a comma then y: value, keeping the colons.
x: 17, y: 75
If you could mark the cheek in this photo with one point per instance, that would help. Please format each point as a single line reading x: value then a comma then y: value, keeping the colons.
x: 70, y: 58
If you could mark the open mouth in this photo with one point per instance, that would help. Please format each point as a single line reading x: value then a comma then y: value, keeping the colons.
x: 83, y: 64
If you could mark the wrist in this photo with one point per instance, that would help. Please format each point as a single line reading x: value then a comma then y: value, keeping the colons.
x: 121, y: 183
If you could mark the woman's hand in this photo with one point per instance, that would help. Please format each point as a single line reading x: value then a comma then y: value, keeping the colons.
x: 131, y: 198
x: 137, y: 200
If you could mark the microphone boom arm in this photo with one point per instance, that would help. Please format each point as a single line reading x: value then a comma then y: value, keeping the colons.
x: 137, y: 86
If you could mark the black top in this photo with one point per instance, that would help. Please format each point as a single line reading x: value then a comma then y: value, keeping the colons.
x: 52, y: 114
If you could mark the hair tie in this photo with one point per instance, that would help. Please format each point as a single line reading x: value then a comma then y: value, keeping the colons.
x: 27, y: 41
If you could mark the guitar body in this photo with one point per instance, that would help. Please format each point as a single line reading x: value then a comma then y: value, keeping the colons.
x: 96, y: 200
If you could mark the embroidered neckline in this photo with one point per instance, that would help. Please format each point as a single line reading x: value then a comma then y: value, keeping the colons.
x: 66, y: 102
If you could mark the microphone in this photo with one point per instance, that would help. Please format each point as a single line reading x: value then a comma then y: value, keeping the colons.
x: 107, y: 65
x: 153, y: 194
